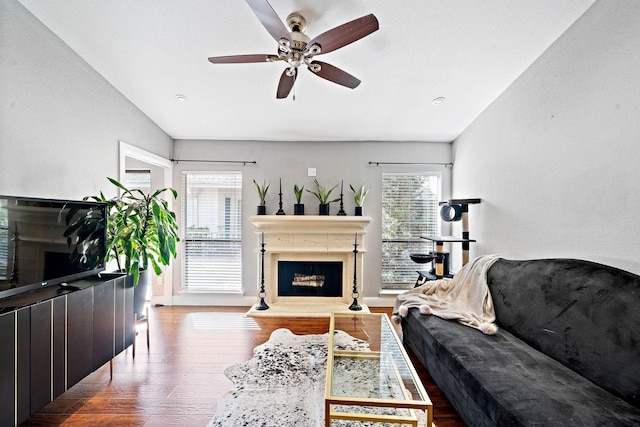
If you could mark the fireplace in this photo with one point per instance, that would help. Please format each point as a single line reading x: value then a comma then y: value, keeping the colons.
x: 310, y: 278
x: 320, y: 242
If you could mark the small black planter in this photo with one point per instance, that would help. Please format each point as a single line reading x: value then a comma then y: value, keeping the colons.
x: 324, y: 208
x: 262, y: 210
x: 358, y: 210
x: 298, y: 209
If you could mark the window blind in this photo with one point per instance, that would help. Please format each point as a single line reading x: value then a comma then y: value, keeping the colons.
x: 4, y: 244
x: 409, y: 210
x: 212, y: 224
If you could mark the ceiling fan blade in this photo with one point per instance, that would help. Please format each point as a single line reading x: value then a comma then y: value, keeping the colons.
x: 335, y: 74
x: 270, y: 19
x: 345, y: 33
x: 286, y: 83
x: 241, y: 59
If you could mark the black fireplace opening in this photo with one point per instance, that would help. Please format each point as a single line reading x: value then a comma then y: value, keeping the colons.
x: 310, y: 278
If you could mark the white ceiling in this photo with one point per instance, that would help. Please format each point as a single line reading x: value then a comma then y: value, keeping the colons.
x: 468, y: 51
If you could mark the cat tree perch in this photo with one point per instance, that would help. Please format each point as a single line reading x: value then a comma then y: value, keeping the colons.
x: 452, y: 210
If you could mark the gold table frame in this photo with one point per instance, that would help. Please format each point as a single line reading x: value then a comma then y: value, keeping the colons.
x: 397, y: 387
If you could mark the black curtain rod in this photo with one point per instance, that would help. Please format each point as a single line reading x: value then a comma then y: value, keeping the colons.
x: 410, y: 163
x: 244, y: 162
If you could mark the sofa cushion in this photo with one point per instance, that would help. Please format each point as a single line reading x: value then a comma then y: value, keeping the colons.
x: 583, y: 314
x: 500, y: 380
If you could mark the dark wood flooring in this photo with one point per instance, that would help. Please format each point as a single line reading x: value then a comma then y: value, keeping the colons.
x: 179, y: 379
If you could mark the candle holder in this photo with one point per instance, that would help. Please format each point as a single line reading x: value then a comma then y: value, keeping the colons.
x: 341, y: 212
x: 280, y: 211
x: 262, y: 305
x: 354, y: 305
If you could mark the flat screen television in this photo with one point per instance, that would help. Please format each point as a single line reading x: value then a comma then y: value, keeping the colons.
x: 46, y: 242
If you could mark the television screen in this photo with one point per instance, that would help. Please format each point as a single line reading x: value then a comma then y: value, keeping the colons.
x: 46, y: 242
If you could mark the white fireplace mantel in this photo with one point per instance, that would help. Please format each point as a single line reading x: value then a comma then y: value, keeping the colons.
x: 309, y: 223
x: 311, y: 238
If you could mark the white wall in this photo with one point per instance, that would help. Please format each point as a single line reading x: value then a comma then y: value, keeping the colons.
x: 555, y: 158
x: 334, y: 161
x: 60, y: 121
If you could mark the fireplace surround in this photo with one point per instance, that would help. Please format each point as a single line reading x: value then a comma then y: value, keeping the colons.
x: 310, y: 239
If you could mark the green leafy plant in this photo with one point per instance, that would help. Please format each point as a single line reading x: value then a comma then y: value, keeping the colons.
x: 85, y: 232
x: 298, y: 192
x: 322, y: 194
x: 142, y: 231
x: 359, y: 194
x: 262, y: 192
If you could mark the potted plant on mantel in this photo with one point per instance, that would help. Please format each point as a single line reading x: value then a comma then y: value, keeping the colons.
x: 298, y: 208
x: 358, y: 197
x: 262, y: 194
x: 322, y: 194
x: 141, y: 232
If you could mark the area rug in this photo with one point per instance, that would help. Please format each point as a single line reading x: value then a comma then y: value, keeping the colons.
x: 283, y: 385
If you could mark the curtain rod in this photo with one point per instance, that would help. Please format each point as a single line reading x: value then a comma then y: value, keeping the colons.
x: 244, y: 162
x: 411, y: 163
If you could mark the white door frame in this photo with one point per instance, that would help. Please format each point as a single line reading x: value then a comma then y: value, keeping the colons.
x: 133, y: 152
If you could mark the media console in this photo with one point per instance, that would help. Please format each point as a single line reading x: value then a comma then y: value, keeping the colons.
x: 52, y: 338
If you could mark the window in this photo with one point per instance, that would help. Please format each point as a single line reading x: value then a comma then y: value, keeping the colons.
x: 409, y: 210
x: 138, y: 179
x: 212, y: 220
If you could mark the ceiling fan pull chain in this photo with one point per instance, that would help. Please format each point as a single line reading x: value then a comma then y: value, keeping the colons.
x: 294, y: 91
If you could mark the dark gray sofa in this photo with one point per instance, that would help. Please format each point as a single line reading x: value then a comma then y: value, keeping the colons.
x: 567, y: 352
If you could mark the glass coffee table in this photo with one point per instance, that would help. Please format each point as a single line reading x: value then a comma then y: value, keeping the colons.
x: 373, y: 379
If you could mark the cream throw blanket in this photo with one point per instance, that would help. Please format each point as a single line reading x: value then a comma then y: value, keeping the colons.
x: 465, y: 297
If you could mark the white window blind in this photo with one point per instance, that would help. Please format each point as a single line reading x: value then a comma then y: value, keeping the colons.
x: 4, y: 244
x: 212, y: 220
x: 409, y: 210
x: 139, y: 179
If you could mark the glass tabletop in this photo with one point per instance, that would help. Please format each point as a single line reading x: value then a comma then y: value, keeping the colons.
x: 369, y: 374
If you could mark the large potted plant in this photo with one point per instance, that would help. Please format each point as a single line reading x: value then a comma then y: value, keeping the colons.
x: 323, y: 196
x: 142, y: 233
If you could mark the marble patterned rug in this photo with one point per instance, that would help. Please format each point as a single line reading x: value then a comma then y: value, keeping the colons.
x: 283, y: 385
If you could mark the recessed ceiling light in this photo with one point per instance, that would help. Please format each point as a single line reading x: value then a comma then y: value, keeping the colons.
x: 181, y: 98
x: 439, y: 100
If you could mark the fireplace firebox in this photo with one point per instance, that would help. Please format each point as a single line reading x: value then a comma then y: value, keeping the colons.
x: 310, y: 278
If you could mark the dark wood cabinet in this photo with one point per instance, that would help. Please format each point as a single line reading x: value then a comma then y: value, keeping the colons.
x: 103, y: 323
x: 79, y: 335
x: 23, y: 366
x: 41, y: 354
x: 58, y: 347
x: 124, y: 308
x: 7, y: 368
x: 47, y: 346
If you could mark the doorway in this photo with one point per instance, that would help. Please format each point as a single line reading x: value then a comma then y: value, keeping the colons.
x: 159, y: 174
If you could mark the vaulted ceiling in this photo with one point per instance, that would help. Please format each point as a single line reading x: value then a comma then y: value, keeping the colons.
x: 465, y: 51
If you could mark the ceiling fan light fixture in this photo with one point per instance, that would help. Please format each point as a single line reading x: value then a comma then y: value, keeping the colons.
x: 296, y: 49
x: 315, y: 49
x: 291, y: 71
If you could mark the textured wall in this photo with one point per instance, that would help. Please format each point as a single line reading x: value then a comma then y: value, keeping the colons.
x: 60, y: 121
x: 555, y: 158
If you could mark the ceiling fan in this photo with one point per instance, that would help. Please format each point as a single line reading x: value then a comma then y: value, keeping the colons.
x: 295, y: 48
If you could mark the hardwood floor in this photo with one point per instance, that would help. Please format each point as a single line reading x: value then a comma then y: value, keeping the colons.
x: 180, y: 378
